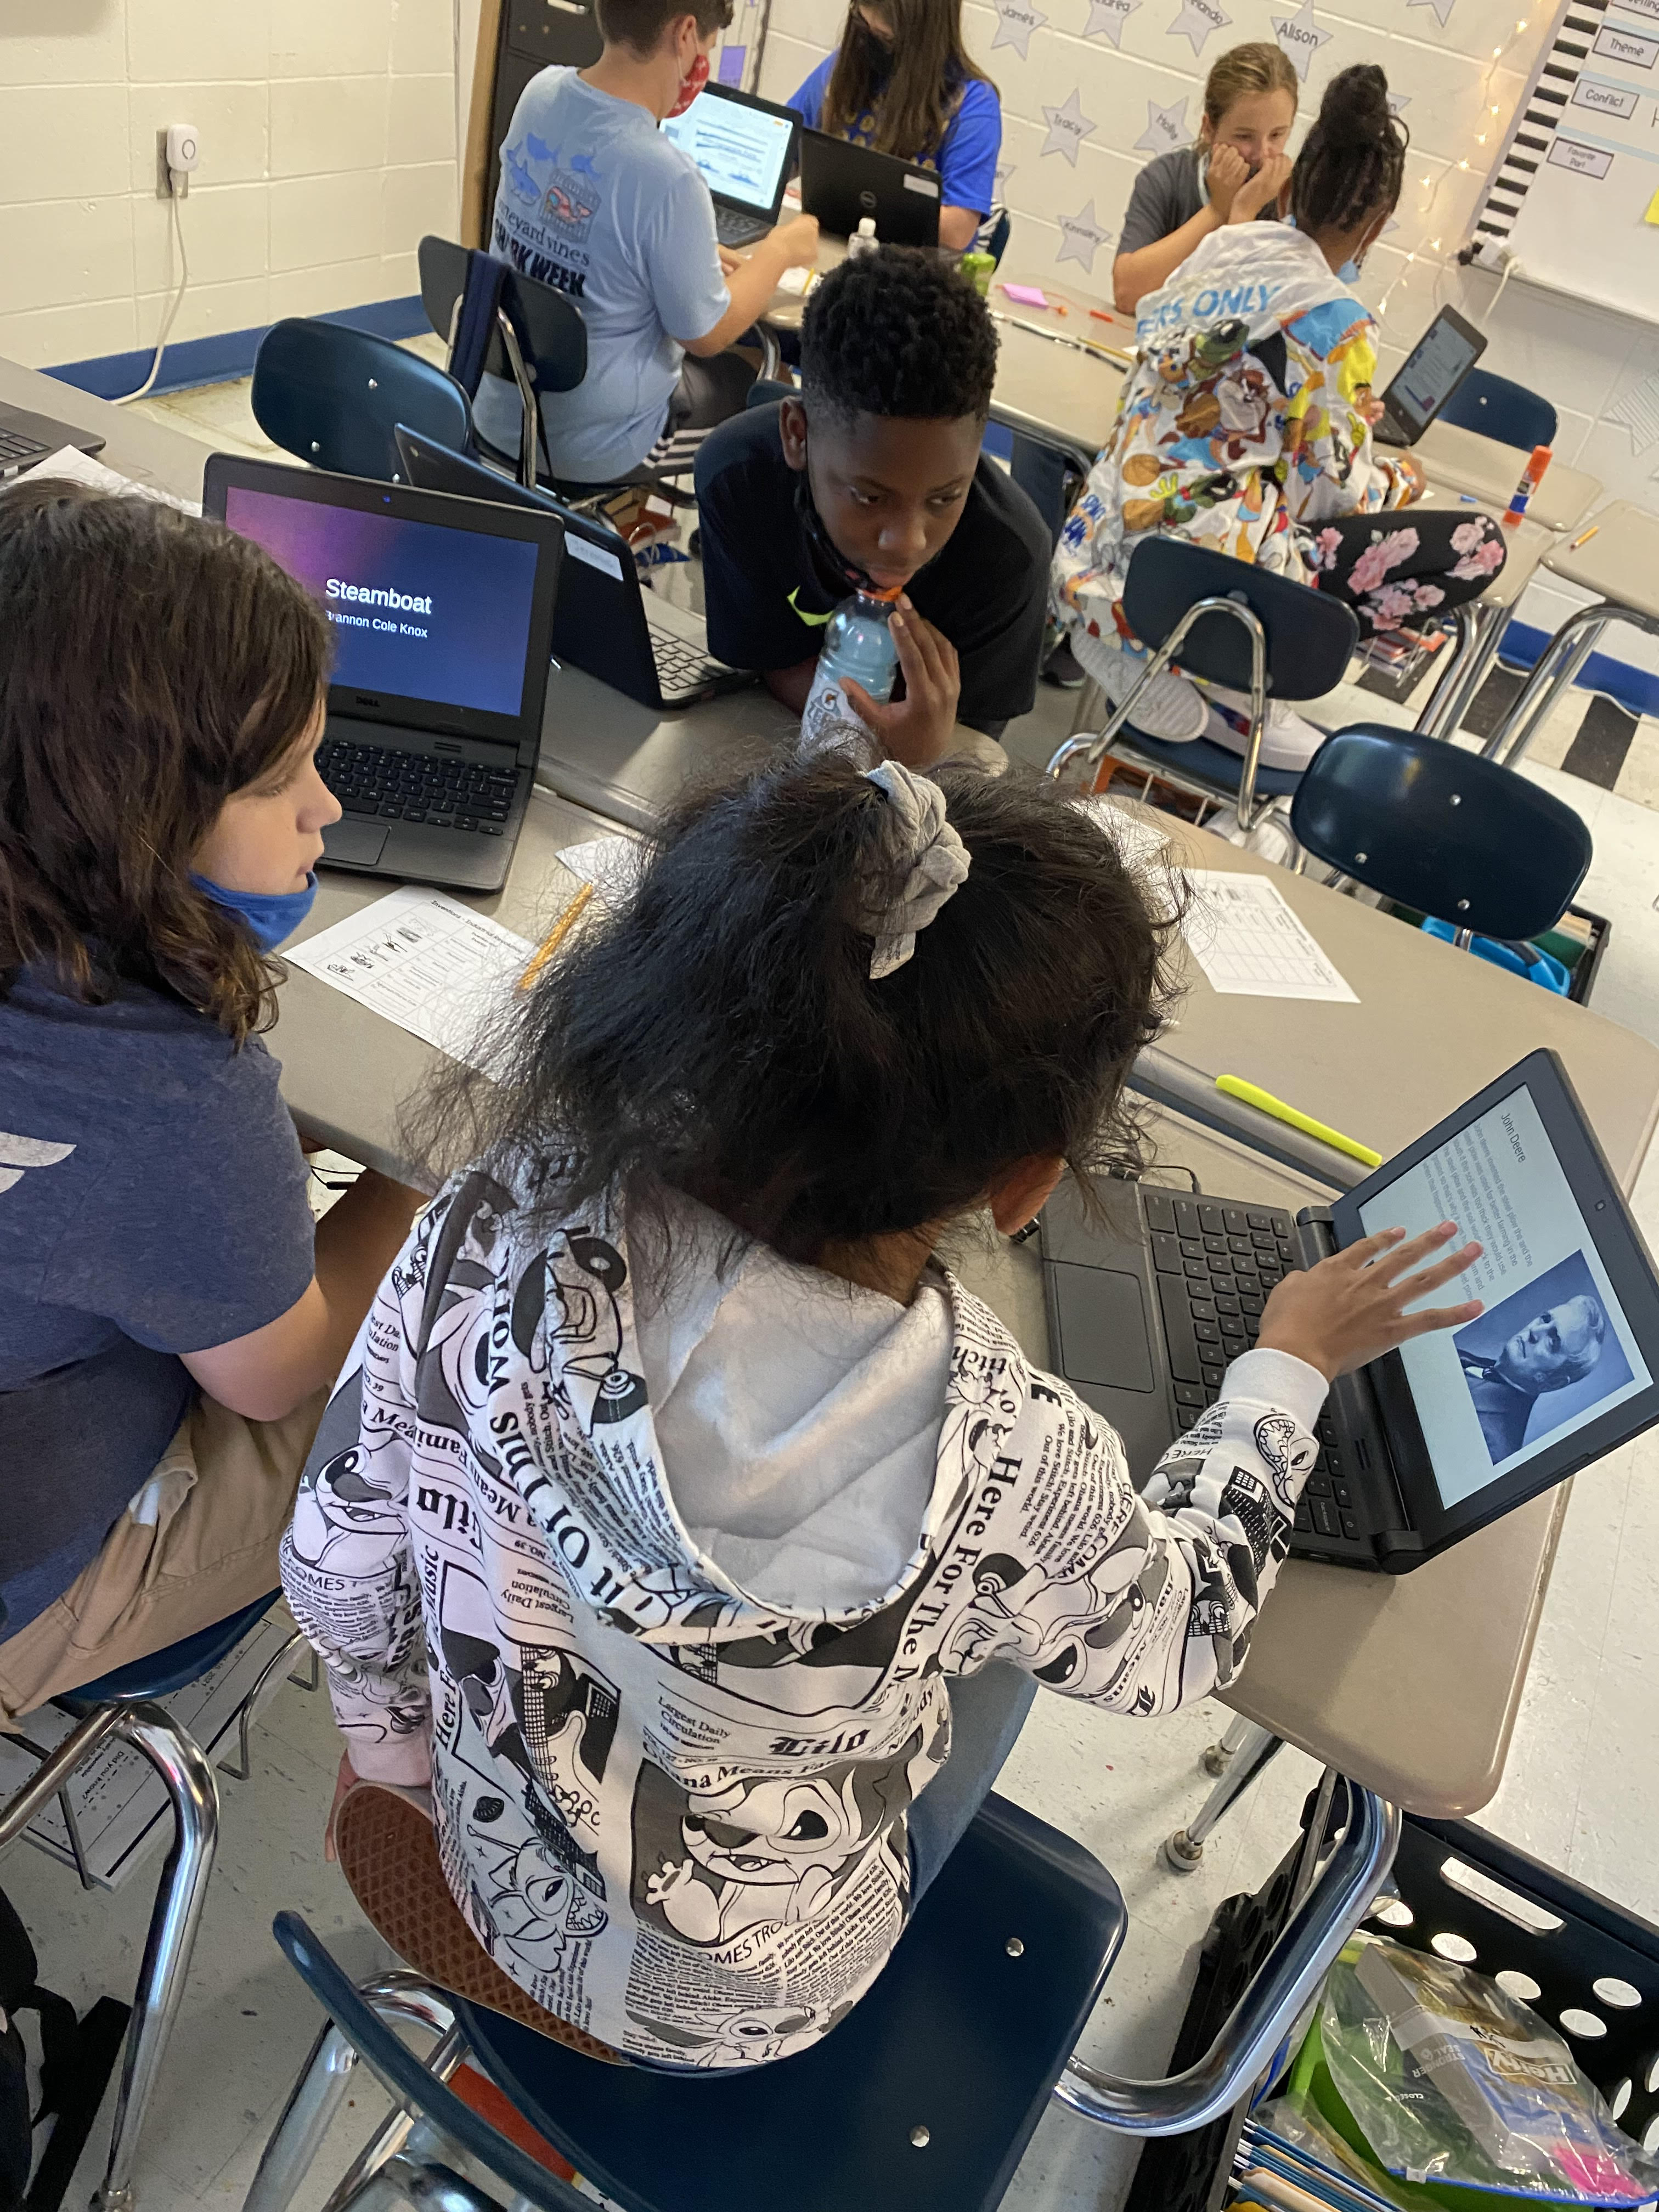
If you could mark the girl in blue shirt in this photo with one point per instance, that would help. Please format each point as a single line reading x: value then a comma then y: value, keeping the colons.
x: 901, y: 81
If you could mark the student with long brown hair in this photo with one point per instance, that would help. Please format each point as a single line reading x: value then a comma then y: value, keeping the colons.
x: 901, y: 81
x: 1236, y: 172
x: 168, y: 1319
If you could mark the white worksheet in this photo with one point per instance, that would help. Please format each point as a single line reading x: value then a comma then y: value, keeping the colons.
x: 611, y: 865
x: 1250, y: 944
x: 426, y: 962
x: 70, y: 461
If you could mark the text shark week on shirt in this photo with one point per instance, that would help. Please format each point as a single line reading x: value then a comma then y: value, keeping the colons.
x: 565, y: 196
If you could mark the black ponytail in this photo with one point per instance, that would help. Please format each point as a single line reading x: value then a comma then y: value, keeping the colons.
x: 1353, y: 163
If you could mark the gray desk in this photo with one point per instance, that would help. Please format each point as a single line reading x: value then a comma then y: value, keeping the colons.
x: 1463, y: 460
x: 148, y: 451
x: 1354, y: 1668
x: 628, y: 762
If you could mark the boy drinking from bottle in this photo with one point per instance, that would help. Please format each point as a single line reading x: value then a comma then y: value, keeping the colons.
x: 873, y: 476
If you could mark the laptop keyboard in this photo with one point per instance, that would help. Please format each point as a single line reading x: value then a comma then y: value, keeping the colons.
x: 1216, y: 1264
x: 734, y: 229
x: 681, y: 667
x: 399, y: 786
x: 17, y: 445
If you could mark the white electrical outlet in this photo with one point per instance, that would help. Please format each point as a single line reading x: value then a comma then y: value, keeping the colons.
x: 177, y: 152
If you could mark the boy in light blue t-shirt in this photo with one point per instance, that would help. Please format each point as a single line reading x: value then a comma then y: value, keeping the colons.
x: 594, y: 200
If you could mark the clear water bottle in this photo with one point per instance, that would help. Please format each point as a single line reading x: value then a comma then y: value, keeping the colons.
x: 857, y: 642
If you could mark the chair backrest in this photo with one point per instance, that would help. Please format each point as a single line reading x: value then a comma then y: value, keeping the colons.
x: 549, y: 326
x: 1309, y: 638
x: 1441, y: 830
x: 335, y: 396
x: 1499, y: 408
x: 767, y: 391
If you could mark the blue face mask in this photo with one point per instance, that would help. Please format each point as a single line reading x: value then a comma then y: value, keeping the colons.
x: 270, y: 918
x: 1349, y: 272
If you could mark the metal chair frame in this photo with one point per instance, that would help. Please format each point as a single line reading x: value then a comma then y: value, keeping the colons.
x: 1092, y: 749
x: 193, y: 1795
x: 1555, y: 670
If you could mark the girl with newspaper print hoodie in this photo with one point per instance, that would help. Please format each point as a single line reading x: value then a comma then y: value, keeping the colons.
x: 679, y: 1501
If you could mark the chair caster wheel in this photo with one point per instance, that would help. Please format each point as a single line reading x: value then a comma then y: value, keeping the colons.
x: 1180, y: 1855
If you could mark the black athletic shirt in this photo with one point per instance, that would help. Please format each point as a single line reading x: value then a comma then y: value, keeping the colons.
x: 986, y: 589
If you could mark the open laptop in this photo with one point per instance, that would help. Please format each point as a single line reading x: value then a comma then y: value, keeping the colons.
x: 26, y: 439
x: 603, y: 624
x: 745, y: 149
x: 842, y: 183
x: 443, y: 617
x: 1432, y: 1441
x: 1427, y: 378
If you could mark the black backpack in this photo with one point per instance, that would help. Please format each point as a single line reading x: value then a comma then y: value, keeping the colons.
x: 78, y: 2058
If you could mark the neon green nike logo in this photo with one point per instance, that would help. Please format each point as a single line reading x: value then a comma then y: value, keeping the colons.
x: 813, y: 621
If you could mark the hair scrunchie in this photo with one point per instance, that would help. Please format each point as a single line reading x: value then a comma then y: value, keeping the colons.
x: 918, y: 840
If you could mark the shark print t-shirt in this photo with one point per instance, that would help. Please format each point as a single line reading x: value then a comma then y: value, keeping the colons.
x: 152, y: 1202
x: 596, y: 201
x: 673, y: 1722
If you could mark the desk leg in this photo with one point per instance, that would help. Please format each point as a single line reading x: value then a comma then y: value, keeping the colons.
x: 1555, y: 669
x: 1219, y: 1756
x: 1479, y: 631
x: 1184, y: 1850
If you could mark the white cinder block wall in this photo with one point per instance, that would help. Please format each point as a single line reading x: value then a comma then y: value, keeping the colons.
x: 1092, y: 87
x: 328, y: 133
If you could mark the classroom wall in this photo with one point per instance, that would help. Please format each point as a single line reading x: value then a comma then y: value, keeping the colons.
x: 328, y: 147
x: 1090, y: 88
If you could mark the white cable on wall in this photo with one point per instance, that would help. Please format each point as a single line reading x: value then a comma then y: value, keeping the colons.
x: 172, y: 314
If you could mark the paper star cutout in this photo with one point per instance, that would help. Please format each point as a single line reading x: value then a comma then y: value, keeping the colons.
x: 1442, y: 9
x: 1015, y: 24
x: 1000, y: 187
x: 1200, y: 18
x: 1068, y: 126
x: 1166, y: 128
x: 1081, y: 238
x: 1107, y: 19
x: 1300, y: 36
x: 1397, y: 100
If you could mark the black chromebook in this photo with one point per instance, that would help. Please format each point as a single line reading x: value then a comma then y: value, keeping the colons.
x: 1432, y: 1442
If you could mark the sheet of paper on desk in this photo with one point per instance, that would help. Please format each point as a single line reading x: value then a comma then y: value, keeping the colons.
x: 81, y: 468
x: 424, y: 961
x: 1250, y: 944
x: 611, y: 865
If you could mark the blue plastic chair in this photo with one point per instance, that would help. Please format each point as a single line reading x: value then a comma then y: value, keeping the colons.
x: 335, y: 397
x: 123, y: 1704
x: 499, y: 323
x: 924, y: 2098
x: 1230, y: 623
x: 1439, y: 828
x: 1499, y: 408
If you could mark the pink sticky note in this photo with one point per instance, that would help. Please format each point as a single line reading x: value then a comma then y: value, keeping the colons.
x: 1025, y: 295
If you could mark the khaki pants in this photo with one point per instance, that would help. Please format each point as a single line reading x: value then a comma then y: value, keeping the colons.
x: 217, y: 1505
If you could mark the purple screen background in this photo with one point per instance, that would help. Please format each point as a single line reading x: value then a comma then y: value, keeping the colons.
x: 481, y: 589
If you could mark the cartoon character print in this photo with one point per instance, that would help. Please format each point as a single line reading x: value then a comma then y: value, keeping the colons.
x: 344, y: 1522
x: 1066, y: 1630
x: 729, y: 1855
x: 569, y: 1297
x: 1287, y: 1453
x: 753, y: 2037
x: 533, y: 1903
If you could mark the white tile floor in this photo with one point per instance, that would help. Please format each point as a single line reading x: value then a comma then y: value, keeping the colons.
x: 1581, y: 1791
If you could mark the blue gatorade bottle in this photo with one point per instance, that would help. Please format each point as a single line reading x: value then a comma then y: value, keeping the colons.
x: 857, y: 642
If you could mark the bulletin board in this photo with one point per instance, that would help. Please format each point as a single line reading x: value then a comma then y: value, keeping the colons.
x: 1575, y: 197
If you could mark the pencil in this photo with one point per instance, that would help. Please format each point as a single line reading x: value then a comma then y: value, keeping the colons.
x: 556, y: 937
x: 1584, y: 538
x: 1235, y: 1087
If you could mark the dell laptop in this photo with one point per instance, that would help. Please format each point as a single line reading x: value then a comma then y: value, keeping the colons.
x: 1432, y: 1442
x: 603, y: 624
x: 1427, y: 378
x: 842, y: 183
x: 745, y: 149
x: 26, y: 439
x: 442, y: 615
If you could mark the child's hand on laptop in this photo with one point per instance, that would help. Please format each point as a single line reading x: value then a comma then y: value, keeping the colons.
x: 1352, y: 1308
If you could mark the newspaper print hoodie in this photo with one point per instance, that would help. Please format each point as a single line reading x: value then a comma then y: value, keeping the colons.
x: 1240, y: 424
x: 671, y: 1809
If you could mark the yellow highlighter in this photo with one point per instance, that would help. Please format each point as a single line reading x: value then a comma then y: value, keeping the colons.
x: 1252, y: 1095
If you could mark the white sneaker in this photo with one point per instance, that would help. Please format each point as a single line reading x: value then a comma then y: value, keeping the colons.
x: 1270, y: 835
x: 1288, y: 739
x: 1169, y: 708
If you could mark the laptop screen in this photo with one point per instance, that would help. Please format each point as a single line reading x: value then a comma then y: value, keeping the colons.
x: 419, y: 610
x: 740, y: 149
x: 1433, y: 369
x: 1554, y: 1349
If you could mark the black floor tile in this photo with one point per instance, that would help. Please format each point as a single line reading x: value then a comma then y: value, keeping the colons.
x: 1492, y: 702
x: 1598, y: 751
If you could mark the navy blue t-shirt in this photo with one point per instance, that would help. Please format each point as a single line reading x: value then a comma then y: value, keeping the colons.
x: 152, y: 1202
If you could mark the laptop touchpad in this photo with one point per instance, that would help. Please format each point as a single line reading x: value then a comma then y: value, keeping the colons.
x: 1104, y: 1337
x: 354, y: 844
